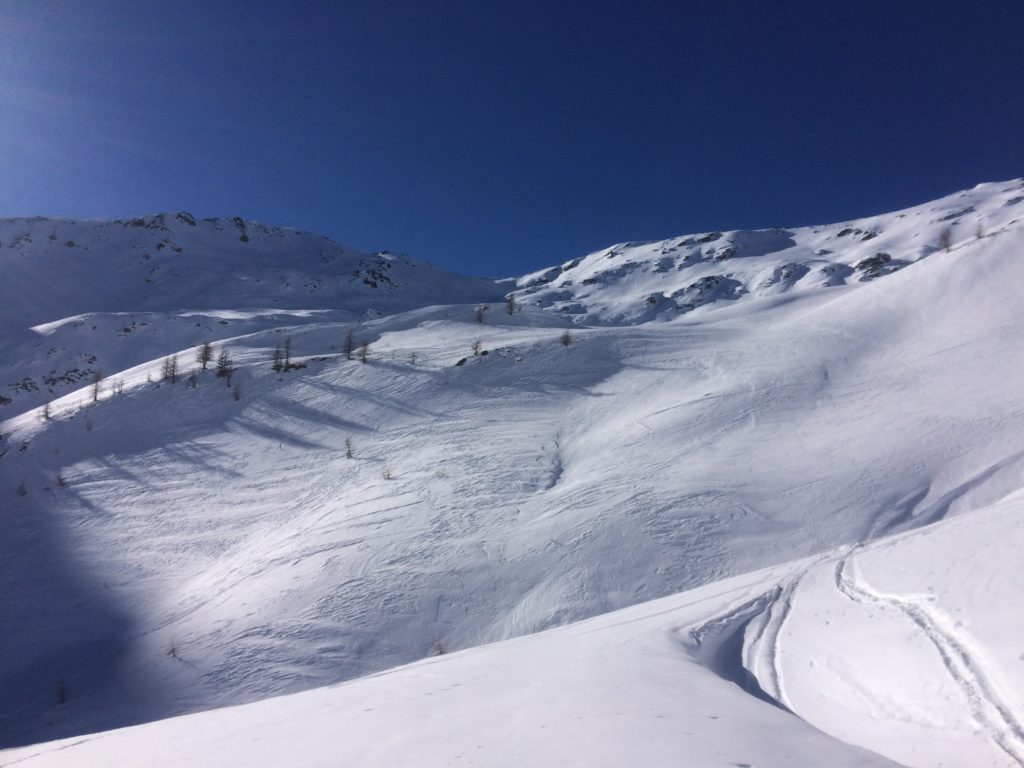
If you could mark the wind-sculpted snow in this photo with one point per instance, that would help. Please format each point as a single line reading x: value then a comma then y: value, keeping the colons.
x: 486, y: 475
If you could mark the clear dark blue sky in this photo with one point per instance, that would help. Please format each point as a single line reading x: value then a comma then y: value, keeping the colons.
x: 497, y: 137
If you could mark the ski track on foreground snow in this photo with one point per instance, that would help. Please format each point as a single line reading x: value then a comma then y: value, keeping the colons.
x: 768, y: 633
x: 759, y: 622
x: 990, y: 712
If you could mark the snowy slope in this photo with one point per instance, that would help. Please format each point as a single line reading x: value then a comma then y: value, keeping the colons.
x: 625, y: 688
x: 173, y: 262
x: 911, y: 646
x: 171, y: 549
x: 914, y: 646
x: 82, y: 296
x: 636, y: 282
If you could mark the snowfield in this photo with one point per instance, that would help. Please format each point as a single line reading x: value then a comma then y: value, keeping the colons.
x: 765, y: 495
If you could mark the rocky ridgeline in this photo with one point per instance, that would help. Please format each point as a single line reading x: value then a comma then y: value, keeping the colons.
x: 643, y: 281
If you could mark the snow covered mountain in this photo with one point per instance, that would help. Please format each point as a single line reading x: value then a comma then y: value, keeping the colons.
x: 637, y: 282
x: 56, y: 268
x: 82, y: 296
x: 648, y: 420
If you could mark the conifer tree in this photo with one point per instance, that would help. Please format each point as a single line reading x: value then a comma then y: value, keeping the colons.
x: 97, y: 377
x: 225, y: 366
x: 169, y: 372
x: 204, y: 355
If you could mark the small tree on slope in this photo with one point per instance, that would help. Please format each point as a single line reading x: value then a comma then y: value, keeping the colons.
x: 225, y: 366
x: 97, y: 377
x: 204, y: 355
x: 349, y: 346
x: 169, y: 372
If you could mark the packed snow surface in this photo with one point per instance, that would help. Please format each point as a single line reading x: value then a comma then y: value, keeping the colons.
x: 838, y: 404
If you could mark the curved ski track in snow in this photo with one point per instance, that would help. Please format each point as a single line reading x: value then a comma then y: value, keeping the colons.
x: 776, y: 613
x: 988, y: 709
x: 761, y: 620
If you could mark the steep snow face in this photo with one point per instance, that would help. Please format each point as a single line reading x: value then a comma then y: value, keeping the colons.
x: 638, y: 282
x: 168, y: 549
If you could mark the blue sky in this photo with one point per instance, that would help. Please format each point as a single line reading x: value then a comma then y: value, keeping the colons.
x: 498, y: 137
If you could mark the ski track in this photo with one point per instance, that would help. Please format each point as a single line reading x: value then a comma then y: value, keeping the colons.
x: 745, y: 611
x: 769, y: 633
x: 766, y: 615
x: 772, y: 633
x: 989, y: 711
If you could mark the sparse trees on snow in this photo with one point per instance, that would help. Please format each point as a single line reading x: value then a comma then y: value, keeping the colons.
x: 225, y: 366
x: 348, y: 448
x: 481, y: 310
x: 364, y: 352
x: 97, y: 377
x: 169, y: 372
x: 44, y: 414
x: 510, y: 304
x: 350, y: 345
x: 204, y: 356
x: 236, y: 392
x: 283, y: 358
x: 566, y: 338
x: 945, y: 239
x: 476, y: 347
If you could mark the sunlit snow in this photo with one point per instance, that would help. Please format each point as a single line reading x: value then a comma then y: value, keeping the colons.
x: 765, y: 495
